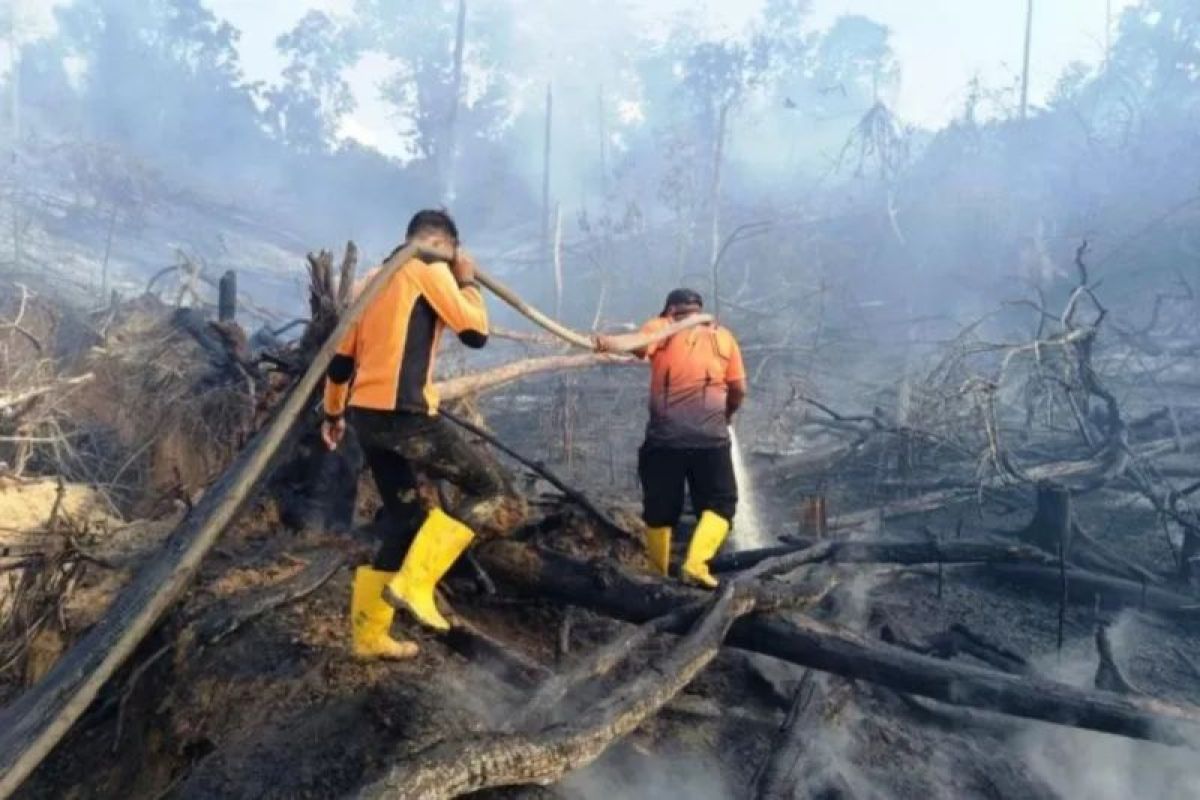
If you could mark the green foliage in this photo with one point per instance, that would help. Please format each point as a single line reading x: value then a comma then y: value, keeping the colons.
x: 305, y: 109
x: 161, y: 76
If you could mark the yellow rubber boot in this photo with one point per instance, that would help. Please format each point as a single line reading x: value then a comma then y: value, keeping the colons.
x: 710, y: 533
x: 371, y: 618
x: 438, y: 544
x: 658, y: 548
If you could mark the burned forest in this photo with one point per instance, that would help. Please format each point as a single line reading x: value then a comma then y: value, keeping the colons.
x: 941, y: 274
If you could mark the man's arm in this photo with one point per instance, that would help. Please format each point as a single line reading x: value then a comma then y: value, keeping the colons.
x: 734, y: 398
x: 337, y: 389
x: 608, y: 344
x: 735, y: 381
x: 456, y: 299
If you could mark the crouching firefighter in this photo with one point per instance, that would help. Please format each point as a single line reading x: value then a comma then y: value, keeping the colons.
x: 381, y: 381
x: 697, y: 384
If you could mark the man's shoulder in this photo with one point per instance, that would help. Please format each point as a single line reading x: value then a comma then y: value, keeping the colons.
x: 413, y: 270
x: 726, y: 335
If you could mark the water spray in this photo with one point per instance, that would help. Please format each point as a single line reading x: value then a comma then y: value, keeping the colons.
x: 748, y: 532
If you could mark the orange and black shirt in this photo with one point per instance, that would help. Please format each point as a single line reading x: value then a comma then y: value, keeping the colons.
x: 690, y: 375
x: 385, y: 362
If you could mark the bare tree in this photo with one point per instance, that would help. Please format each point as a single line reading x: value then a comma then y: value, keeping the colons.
x: 1025, y: 68
x: 14, y: 97
x: 451, y: 148
x: 546, y: 144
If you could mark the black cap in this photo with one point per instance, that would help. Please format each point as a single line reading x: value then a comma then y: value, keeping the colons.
x: 683, y: 297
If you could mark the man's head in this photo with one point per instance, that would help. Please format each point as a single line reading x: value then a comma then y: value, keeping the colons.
x: 683, y: 303
x: 432, y: 222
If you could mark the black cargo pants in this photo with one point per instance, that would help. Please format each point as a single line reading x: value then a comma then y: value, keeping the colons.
x: 706, y: 472
x: 399, y: 446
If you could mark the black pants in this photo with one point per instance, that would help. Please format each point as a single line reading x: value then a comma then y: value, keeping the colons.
x: 706, y: 472
x: 398, y: 447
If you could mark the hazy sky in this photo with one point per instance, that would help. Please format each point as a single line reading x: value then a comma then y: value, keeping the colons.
x: 941, y: 44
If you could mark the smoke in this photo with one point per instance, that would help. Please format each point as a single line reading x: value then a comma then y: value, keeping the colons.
x: 627, y: 777
x: 1089, y: 766
x: 1081, y: 765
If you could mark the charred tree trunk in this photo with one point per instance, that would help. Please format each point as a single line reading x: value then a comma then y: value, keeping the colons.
x: 804, y: 641
x: 1050, y: 528
x: 227, y: 297
x: 1090, y: 588
x: 469, y: 764
x: 1190, y: 550
x: 800, y: 764
x: 1109, y: 676
x: 328, y: 297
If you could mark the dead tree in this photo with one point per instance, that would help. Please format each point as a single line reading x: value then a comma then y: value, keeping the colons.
x: 1050, y: 528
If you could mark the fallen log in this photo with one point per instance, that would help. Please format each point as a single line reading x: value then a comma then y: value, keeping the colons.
x: 958, y: 551
x: 956, y: 640
x: 1088, y: 588
x: 802, y: 640
x: 479, y: 382
x: 227, y: 616
x: 623, y: 343
x: 800, y: 763
x: 469, y: 764
x: 40, y: 717
x: 1054, y: 472
x: 539, y: 710
x: 745, y: 559
x: 508, y: 664
x: 545, y: 706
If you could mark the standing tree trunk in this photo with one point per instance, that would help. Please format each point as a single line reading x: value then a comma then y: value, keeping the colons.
x: 1025, y: 68
x: 450, y: 154
x: 603, y: 133
x: 546, y: 174
x: 556, y: 259
x: 714, y: 201
x: 112, y: 227
x: 14, y: 97
x: 1050, y: 528
x: 227, y: 297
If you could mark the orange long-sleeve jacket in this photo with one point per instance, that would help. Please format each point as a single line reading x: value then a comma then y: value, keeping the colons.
x: 386, y: 360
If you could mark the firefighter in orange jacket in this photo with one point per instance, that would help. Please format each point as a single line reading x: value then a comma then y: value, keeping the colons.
x: 697, y: 384
x: 381, y: 380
